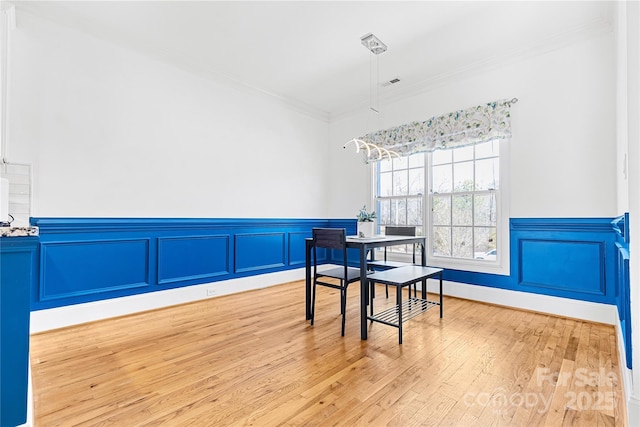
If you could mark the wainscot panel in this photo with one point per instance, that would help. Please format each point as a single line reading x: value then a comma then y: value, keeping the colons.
x: 296, y: 247
x: 91, y: 259
x: 182, y: 259
x: 260, y: 251
x: 572, y: 266
x: 566, y: 257
x: 87, y: 267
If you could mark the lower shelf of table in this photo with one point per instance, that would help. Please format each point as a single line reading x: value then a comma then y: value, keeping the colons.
x: 410, y: 309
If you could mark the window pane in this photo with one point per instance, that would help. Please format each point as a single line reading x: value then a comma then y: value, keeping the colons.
x: 416, y: 160
x: 463, y: 153
x: 398, y: 212
x: 487, y: 149
x: 487, y: 174
x: 400, y: 249
x: 414, y: 211
x: 485, y: 209
x: 441, y: 210
x: 400, y: 184
x: 384, y: 166
x: 462, y: 210
x: 440, y: 157
x: 416, y: 181
x: 462, y: 242
x: 383, y: 212
x: 385, y: 184
x: 463, y: 176
x: 442, y: 179
x: 485, y: 243
x: 442, y: 241
x: 400, y: 163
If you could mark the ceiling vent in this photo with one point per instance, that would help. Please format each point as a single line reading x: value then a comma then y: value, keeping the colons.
x: 390, y: 82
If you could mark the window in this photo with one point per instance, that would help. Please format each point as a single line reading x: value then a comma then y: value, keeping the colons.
x: 400, y: 189
x: 466, y: 223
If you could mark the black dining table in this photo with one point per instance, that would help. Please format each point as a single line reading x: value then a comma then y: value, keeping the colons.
x: 364, y: 246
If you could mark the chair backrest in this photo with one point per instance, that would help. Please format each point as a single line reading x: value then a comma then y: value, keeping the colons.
x: 390, y: 230
x: 329, y: 238
x: 396, y: 230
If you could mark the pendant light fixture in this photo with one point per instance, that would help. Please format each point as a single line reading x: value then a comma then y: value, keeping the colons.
x: 373, y: 151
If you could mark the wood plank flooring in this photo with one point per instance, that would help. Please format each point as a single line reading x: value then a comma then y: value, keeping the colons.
x: 252, y: 359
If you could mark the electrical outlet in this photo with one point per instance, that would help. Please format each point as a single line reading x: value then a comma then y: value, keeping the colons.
x: 211, y: 292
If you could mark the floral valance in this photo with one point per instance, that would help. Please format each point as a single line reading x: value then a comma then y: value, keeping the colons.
x: 464, y: 127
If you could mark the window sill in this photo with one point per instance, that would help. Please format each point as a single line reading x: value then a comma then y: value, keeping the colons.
x: 489, y: 267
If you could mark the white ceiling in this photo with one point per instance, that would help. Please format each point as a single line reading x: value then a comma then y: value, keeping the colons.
x: 308, y: 53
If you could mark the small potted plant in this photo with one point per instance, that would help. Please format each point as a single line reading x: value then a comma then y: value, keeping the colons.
x: 365, y: 222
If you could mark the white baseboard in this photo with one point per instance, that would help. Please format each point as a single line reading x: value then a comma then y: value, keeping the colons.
x: 632, y: 404
x: 54, y: 318
x: 563, y: 307
x: 633, y: 412
x: 60, y: 317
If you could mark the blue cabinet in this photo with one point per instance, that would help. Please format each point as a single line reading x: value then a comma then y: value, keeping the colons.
x: 18, y: 258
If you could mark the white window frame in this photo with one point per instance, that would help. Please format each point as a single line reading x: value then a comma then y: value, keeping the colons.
x: 501, y: 265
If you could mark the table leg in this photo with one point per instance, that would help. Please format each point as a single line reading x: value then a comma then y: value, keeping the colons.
x: 424, y: 264
x: 441, y: 295
x: 399, y: 308
x: 364, y: 292
x: 307, y: 285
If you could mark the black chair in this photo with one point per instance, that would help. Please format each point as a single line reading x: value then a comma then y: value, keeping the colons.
x: 332, y: 238
x: 384, y: 264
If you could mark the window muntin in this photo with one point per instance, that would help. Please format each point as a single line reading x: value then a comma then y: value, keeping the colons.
x: 464, y: 199
x: 399, y: 195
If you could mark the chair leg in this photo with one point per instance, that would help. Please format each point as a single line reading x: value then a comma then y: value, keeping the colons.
x: 386, y: 290
x: 343, y: 292
x: 313, y: 303
x: 342, y: 299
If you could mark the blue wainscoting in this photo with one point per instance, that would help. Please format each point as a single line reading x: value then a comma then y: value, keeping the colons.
x: 563, y: 257
x: 90, y: 259
x: 623, y: 301
x: 18, y: 264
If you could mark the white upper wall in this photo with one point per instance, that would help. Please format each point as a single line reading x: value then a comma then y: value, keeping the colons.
x: 112, y: 133
x: 563, y: 150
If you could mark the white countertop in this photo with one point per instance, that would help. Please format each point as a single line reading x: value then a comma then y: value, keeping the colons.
x: 18, y: 231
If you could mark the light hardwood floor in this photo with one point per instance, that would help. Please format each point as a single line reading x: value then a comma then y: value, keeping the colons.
x: 252, y: 359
